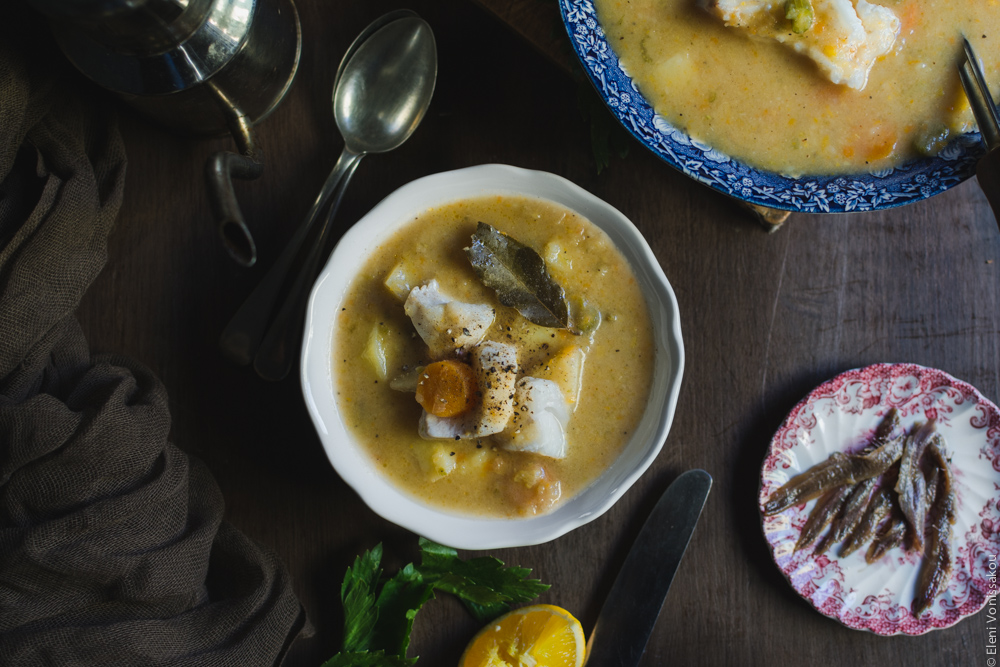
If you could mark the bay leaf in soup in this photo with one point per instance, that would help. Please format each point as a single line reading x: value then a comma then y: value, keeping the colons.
x: 517, y: 274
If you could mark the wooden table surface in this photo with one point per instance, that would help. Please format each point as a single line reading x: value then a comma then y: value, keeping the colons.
x: 766, y: 317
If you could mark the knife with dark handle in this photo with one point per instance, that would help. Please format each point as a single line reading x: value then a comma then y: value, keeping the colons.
x: 631, y: 608
x: 985, y: 111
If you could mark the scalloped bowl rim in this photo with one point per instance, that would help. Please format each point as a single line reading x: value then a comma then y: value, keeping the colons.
x: 356, y: 468
x: 838, y: 193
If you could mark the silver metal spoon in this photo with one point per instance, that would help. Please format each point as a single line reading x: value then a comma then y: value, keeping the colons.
x: 383, y: 87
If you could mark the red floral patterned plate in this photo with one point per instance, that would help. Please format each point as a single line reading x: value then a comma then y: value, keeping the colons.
x: 841, y: 415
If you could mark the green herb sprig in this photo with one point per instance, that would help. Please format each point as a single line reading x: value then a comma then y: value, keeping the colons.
x: 379, y: 612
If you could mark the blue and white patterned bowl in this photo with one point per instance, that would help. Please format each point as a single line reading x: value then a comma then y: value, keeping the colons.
x: 908, y: 183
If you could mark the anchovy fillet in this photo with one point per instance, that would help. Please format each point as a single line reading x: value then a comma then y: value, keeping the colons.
x: 911, y: 485
x: 876, y: 510
x: 851, y: 515
x: 841, y: 469
x: 889, y: 536
x: 936, y: 568
x: 826, y: 509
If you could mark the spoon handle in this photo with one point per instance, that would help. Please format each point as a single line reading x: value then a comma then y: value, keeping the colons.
x: 278, y: 350
x: 242, y: 336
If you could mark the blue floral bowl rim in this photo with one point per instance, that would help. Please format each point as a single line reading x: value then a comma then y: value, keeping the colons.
x: 911, y: 182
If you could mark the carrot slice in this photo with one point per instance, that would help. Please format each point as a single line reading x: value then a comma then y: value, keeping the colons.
x: 447, y: 388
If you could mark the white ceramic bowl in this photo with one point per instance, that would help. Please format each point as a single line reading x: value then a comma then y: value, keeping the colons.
x: 348, y: 457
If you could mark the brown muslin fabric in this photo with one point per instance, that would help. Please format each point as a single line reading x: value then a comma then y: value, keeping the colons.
x: 112, y: 546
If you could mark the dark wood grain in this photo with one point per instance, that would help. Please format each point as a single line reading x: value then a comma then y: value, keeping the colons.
x: 766, y: 317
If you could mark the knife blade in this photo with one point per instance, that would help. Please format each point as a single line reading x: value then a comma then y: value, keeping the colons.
x: 629, y: 613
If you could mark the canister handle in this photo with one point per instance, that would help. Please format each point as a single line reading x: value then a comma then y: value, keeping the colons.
x: 220, y: 169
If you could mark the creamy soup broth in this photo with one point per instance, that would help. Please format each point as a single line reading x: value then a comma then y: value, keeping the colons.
x: 486, y: 479
x: 764, y: 104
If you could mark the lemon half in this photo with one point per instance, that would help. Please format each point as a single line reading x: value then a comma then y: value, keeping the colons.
x: 541, y: 635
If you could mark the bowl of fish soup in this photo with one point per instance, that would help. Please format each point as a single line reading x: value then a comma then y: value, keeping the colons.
x: 720, y: 164
x: 412, y: 480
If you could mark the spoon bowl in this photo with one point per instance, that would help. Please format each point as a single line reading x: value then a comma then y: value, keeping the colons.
x: 383, y: 88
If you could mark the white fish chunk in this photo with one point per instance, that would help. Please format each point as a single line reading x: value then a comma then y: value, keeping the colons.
x: 495, y: 367
x: 540, y: 417
x: 845, y: 39
x: 446, y: 428
x: 447, y: 326
x: 743, y: 13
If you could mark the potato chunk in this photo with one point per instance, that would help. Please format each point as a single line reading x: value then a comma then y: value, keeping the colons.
x: 380, y: 350
x: 436, y: 460
x: 399, y: 282
x: 566, y: 370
